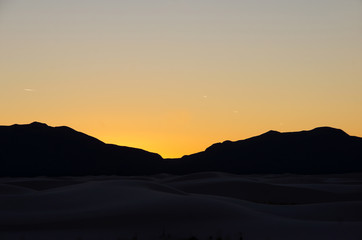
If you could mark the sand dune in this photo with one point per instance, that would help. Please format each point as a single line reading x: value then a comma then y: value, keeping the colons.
x: 205, y: 204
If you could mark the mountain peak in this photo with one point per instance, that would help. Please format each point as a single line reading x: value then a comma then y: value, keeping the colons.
x: 271, y: 133
x: 329, y: 131
x: 38, y: 124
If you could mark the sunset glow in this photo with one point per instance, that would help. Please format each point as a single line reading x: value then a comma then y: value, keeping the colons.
x: 174, y: 77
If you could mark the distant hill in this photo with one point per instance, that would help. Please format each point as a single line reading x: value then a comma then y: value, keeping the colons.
x: 321, y: 150
x: 37, y: 149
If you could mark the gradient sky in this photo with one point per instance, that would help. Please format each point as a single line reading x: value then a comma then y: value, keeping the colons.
x: 173, y: 77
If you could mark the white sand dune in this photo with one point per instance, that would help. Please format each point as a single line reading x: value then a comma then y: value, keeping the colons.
x: 203, y: 204
x: 11, y: 189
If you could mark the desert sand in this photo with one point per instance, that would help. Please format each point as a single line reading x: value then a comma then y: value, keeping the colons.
x: 204, y: 205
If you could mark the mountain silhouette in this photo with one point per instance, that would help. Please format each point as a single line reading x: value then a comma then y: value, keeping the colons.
x: 37, y: 149
x: 321, y: 150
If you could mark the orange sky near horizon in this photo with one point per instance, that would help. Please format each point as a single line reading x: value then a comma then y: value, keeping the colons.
x: 174, y: 77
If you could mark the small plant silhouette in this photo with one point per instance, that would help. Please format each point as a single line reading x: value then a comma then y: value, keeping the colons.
x: 193, y: 238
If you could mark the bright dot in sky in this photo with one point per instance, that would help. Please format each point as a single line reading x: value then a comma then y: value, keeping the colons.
x: 205, y: 96
x: 29, y: 90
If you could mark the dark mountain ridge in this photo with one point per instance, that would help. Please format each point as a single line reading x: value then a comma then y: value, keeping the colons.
x: 321, y: 150
x: 37, y: 149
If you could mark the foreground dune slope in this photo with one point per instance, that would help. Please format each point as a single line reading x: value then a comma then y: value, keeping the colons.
x: 201, y: 205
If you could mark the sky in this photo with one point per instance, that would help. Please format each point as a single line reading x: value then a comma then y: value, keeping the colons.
x: 174, y: 77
